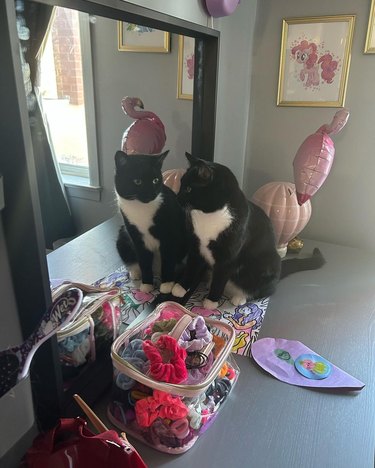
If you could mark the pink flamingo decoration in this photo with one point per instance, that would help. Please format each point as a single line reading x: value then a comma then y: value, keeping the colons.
x: 147, y: 134
x: 314, y: 158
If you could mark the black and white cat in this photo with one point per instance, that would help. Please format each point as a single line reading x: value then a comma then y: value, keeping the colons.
x: 154, y: 222
x: 231, y: 236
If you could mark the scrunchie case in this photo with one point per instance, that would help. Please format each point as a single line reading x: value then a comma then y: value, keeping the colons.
x: 172, y: 373
x: 96, y: 327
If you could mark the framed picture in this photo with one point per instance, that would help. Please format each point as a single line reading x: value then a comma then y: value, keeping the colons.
x: 370, y: 37
x: 134, y: 38
x: 314, y: 61
x: 185, y: 75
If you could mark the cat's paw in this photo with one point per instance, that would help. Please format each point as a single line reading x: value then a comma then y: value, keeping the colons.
x: 134, y: 272
x: 178, y: 290
x: 238, y: 300
x: 166, y: 288
x: 146, y: 288
x: 210, y: 305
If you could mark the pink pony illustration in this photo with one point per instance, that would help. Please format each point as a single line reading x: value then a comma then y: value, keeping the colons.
x: 306, y: 54
x: 190, y: 66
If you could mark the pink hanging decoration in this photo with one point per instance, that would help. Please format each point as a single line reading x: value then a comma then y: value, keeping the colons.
x: 278, y: 200
x: 172, y: 178
x: 314, y: 157
x: 144, y: 136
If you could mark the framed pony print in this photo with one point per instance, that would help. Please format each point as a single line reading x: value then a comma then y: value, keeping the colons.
x: 315, y: 60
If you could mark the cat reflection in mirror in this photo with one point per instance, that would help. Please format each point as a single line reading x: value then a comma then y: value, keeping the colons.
x: 154, y: 222
x: 232, y: 237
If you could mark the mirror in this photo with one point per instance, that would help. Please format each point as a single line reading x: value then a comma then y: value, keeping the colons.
x: 86, y: 69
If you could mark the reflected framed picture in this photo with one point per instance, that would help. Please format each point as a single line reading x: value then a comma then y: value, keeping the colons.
x: 185, y: 72
x: 315, y: 60
x: 370, y: 36
x: 135, y: 38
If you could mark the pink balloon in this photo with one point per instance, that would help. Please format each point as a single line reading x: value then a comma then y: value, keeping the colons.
x: 144, y: 136
x: 314, y: 158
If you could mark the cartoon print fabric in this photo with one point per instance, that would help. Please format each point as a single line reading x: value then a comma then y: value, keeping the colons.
x: 246, y: 319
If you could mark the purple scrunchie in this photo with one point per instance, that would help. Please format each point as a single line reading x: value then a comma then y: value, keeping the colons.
x: 196, y: 335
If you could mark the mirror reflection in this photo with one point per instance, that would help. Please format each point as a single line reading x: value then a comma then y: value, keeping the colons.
x: 86, y: 66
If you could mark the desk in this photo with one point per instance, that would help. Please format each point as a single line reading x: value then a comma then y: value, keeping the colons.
x: 267, y: 423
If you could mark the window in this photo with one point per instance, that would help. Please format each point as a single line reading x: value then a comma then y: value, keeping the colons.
x: 67, y: 97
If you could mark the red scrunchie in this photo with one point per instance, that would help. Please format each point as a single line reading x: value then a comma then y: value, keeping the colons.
x: 167, y: 359
x: 161, y: 405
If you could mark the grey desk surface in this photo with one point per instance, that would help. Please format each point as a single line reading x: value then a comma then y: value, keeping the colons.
x: 267, y: 423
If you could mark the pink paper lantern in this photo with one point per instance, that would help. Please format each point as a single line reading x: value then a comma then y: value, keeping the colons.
x: 172, y: 178
x: 279, y: 201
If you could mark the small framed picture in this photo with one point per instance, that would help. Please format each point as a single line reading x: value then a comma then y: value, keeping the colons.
x: 315, y: 60
x: 135, y: 38
x: 370, y: 36
x: 185, y: 74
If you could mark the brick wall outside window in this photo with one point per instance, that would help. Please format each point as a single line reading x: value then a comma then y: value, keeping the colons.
x: 67, y: 55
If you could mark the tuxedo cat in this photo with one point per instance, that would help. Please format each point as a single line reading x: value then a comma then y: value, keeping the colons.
x: 231, y: 236
x: 154, y: 222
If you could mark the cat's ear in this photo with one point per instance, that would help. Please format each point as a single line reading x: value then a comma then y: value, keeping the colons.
x: 204, y: 171
x: 192, y: 159
x: 161, y: 158
x: 120, y: 158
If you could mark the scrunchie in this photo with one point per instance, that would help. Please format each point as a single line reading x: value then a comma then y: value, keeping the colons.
x: 197, y: 375
x: 164, y: 325
x: 125, y: 382
x: 134, y: 349
x: 167, y: 360
x: 196, y: 335
x: 161, y: 405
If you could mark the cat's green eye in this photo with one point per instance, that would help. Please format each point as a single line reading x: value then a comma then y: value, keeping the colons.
x: 188, y: 189
x: 137, y: 181
x: 155, y: 181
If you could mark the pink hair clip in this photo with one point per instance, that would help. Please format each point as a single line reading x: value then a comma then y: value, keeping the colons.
x: 167, y: 359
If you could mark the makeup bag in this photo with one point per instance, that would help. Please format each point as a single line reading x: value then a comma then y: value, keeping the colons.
x: 72, y: 444
x: 172, y: 373
x: 96, y: 326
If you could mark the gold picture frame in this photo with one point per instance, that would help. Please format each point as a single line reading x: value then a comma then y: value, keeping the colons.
x: 370, y: 36
x: 135, y: 38
x: 315, y: 60
x: 185, y: 71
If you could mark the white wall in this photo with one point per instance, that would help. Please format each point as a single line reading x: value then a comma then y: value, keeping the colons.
x: 343, y: 210
x: 191, y: 10
x: 234, y: 79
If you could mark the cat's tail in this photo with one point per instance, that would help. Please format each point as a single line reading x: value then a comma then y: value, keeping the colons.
x: 294, y: 265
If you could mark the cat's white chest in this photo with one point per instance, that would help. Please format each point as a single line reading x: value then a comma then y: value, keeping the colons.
x: 142, y: 216
x: 208, y: 226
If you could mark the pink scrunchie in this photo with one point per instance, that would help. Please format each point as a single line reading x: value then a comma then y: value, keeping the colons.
x: 167, y: 360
